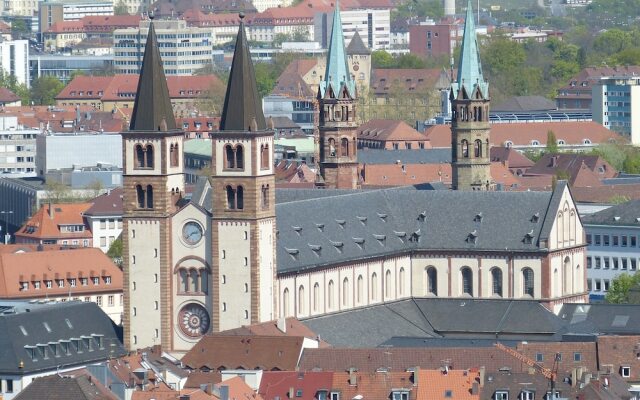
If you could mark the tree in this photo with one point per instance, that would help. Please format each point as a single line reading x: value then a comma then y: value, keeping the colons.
x: 619, y: 290
x: 115, y: 251
x: 120, y: 8
x: 612, y: 41
x: 614, y: 154
x: 265, y: 78
x: 44, y: 90
x: 57, y: 192
x: 19, y: 29
x: 381, y: 59
x: 552, y: 143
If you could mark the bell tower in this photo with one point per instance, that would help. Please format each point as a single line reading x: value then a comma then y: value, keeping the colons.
x: 337, y: 124
x: 469, y: 96
x: 153, y: 183
x: 243, y: 186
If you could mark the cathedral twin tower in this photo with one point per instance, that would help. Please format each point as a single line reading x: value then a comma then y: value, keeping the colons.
x: 193, y: 267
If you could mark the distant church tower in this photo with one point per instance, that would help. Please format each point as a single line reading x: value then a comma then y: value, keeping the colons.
x: 469, y: 96
x: 153, y: 184
x: 244, y: 218
x: 337, y: 125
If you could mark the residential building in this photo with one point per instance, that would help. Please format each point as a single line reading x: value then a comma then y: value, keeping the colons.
x: 117, y: 92
x: 51, y: 339
x: 224, y: 25
x: 290, y: 21
x: 432, y: 39
x: 8, y: 98
x: 613, y: 245
x: 61, y: 34
x: 171, y: 9
x: 517, y: 163
x: 63, y: 67
x: 17, y: 148
x: 57, y: 224
x: 577, y: 94
x: 14, y: 59
x: 51, y: 12
x: 185, y: 49
x: 372, y: 24
x: 389, y: 134
x: 262, y: 5
x: 615, y: 104
x: 578, y: 169
x: 62, y: 386
x: 104, y: 218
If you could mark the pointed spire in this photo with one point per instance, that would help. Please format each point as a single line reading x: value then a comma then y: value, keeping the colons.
x: 337, y: 71
x: 469, y: 67
x: 242, y: 109
x: 357, y: 46
x: 152, y: 110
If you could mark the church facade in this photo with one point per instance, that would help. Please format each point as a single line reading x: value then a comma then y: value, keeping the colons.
x: 237, y: 252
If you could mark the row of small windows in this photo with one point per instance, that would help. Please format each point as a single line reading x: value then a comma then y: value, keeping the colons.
x: 612, y: 240
x: 193, y: 281
x: 477, y: 148
x: 466, y: 275
x: 60, y: 283
x: 612, y: 263
x: 144, y: 156
x: 345, y: 147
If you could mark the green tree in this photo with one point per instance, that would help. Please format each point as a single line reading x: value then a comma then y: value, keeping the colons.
x: 612, y: 41
x: 420, y: 9
x: 120, y: 8
x: 409, y: 61
x: 382, y: 59
x: 44, y: 90
x: 552, y: 142
x: 629, y: 56
x: 619, y: 289
x: 265, y: 78
x: 19, y: 29
x: 614, y: 154
x: 115, y: 251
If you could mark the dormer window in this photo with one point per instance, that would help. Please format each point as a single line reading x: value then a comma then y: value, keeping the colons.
x: 400, y: 395
x: 501, y: 395
x: 527, y: 395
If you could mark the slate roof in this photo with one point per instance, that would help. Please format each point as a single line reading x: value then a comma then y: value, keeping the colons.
x: 416, y: 156
x: 357, y: 46
x: 58, y: 387
x: 435, y: 317
x: 524, y: 104
x: 293, y: 195
x: 242, y: 104
x: 602, y: 318
x: 72, y: 323
x: 107, y: 204
x: 625, y: 214
x: 380, y: 222
x: 152, y: 110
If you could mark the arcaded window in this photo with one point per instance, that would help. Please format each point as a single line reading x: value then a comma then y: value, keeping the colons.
x: 477, y: 148
x: 432, y: 281
x: 331, y: 294
x: 194, y: 282
x: 332, y: 147
x: 467, y: 281
x: 316, y: 296
x: 496, y: 281
x: 139, y: 156
x: 240, y: 198
x: 149, y: 156
x: 204, y: 281
x: 265, y: 196
x: 285, y: 302
x: 374, y: 286
x: 345, y: 292
x: 264, y: 156
x: 149, y: 196
x: 184, y: 281
x: 229, y: 157
x: 239, y: 157
x: 387, y: 284
x: 174, y: 155
x: 465, y: 148
x: 344, y: 147
x: 360, y: 288
x: 527, y: 281
x: 301, y: 300
x: 140, y: 196
x: 231, y: 198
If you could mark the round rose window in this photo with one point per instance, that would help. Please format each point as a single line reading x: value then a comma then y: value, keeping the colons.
x: 193, y: 320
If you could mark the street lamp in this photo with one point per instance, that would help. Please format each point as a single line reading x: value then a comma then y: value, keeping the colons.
x: 6, y: 225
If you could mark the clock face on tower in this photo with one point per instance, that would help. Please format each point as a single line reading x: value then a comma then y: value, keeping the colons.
x: 192, y: 232
x: 193, y: 320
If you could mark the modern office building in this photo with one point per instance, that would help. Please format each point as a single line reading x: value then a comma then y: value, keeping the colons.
x: 50, y: 12
x: 184, y: 49
x: 373, y: 26
x: 613, y: 245
x: 17, y: 148
x: 63, y: 66
x: 616, y: 104
x: 14, y: 59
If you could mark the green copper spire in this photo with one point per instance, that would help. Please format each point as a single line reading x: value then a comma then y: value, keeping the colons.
x: 337, y: 72
x: 469, y: 68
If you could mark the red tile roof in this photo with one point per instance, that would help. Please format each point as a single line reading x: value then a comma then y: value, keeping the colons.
x: 7, y: 96
x: 620, y: 351
x: 387, y: 81
x: 198, y: 18
x: 523, y: 134
x: 46, y: 222
x: 387, y: 129
x: 52, y: 265
x: 452, y: 384
x: 277, y: 384
x: 372, y: 385
x: 293, y: 327
x: 238, y: 389
x: 66, y: 27
x: 606, y: 193
x: 514, y: 158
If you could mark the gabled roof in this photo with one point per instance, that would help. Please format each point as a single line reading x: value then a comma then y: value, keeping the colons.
x: 512, y: 157
x: 276, y: 384
x: 46, y: 222
x: 64, y: 387
x: 625, y: 214
x: 371, y: 385
x: 152, y: 110
x: 454, y: 384
x: 612, y: 319
x: 49, y: 328
x: 108, y: 204
x: 357, y: 46
x: 524, y: 104
x: 470, y: 74
x: 242, y: 109
x: 413, y: 156
x: 7, y: 96
x: 337, y: 73
x: 407, y: 81
x: 387, y: 129
x: 218, y: 351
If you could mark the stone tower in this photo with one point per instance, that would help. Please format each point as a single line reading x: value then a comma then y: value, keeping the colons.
x: 153, y: 184
x: 243, y: 186
x: 469, y: 96
x: 337, y: 124
x: 359, y: 57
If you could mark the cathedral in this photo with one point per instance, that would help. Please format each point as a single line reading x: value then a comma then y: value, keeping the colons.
x: 237, y: 251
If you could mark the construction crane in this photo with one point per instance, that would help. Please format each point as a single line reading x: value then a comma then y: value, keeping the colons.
x: 550, y: 374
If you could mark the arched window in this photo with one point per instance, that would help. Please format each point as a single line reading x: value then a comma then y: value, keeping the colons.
x: 229, y: 157
x: 149, y: 196
x: 374, y: 286
x: 432, y: 281
x: 360, y: 288
x: 344, y: 147
x: 479, y: 113
x: 194, y: 282
x: 174, y: 155
x: 204, y: 281
x: 332, y: 147
x: 285, y: 302
x: 264, y: 156
x: 527, y: 282
x: 184, y: 281
x: 467, y: 281
x: 496, y: 281
x: 140, y: 196
x: 231, y: 198
x: 465, y: 148
x: 345, y: 292
x: 567, y: 281
x: 301, y: 300
x: 401, y: 282
x: 265, y: 196
x: 387, y: 284
x: 316, y: 296
x: 331, y: 290
x: 240, y: 198
x: 149, y: 156
x: 239, y: 157
x: 477, y: 148
x: 139, y: 156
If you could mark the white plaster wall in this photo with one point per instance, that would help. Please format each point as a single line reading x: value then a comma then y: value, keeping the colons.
x: 144, y: 289
x: 488, y: 264
x: 419, y: 266
x: 457, y: 264
x: 234, y: 243
x: 130, y: 157
x: 518, y: 278
x: 267, y: 269
x: 219, y: 157
x: 567, y: 231
x: 268, y: 140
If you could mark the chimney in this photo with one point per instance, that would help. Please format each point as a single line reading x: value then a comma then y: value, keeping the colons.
x: 353, y: 379
x: 475, y: 388
x: 50, y: 210
x: 554, y: 161
x: 207, y: 388
x: 281, y: 324
x: 481, y: 375
x: 291, y: 393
